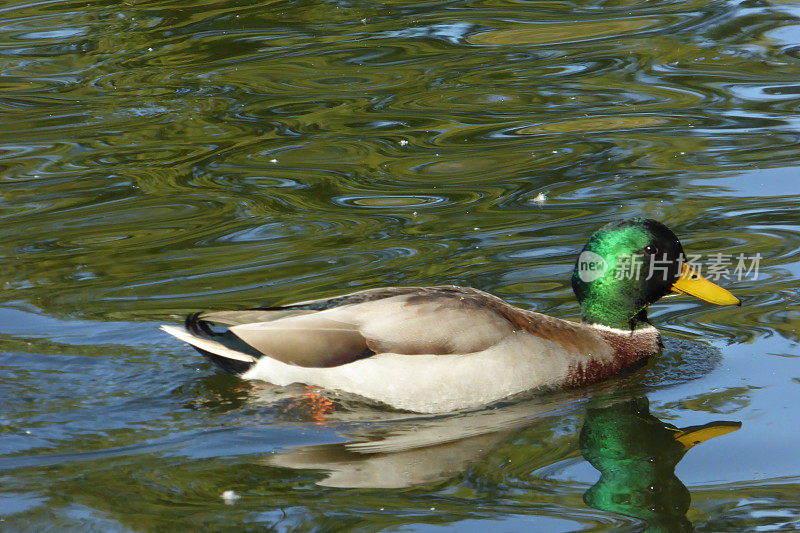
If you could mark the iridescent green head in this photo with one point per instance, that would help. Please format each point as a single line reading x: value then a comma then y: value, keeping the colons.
x: 625, y: 267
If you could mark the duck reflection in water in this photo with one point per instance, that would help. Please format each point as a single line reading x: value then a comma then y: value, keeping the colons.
x: 411, y: 451
x: 636, y: 454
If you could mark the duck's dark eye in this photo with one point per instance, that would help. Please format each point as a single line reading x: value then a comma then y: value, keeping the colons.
x: 650, y: 249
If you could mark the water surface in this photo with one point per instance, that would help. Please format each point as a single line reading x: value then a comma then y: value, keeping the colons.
x: 158, y: 158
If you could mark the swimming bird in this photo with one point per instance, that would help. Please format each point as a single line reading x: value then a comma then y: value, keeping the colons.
x: 446, y: 348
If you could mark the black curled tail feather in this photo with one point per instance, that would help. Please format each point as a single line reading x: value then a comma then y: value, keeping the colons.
x: 197, y: 326
x: 231, y: 366
x: 202, y: 328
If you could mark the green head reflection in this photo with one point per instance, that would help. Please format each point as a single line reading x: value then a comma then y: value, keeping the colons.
x: 636, y: 454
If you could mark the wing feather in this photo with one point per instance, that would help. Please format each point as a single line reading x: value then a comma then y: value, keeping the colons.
x: 306, y: 340
x: 400, y: 320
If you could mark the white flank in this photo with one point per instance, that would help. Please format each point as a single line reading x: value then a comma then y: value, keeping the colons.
x: 438, y: 383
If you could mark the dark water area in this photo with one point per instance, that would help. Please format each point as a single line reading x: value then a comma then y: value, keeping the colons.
x: 158, y: 158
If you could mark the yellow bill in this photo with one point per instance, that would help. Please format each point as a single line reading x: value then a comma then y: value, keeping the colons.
x: 694, y: 435
x: 692, y: 283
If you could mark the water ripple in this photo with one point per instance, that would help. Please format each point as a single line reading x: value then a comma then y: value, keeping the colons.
x: 158, y: 158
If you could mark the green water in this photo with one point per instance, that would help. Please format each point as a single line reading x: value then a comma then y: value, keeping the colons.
x: 158, y: 158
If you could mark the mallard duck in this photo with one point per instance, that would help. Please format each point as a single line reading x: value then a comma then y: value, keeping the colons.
x: 446, y: 348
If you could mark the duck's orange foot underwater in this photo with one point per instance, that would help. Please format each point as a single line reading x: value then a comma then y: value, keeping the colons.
x: 312, y: 404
